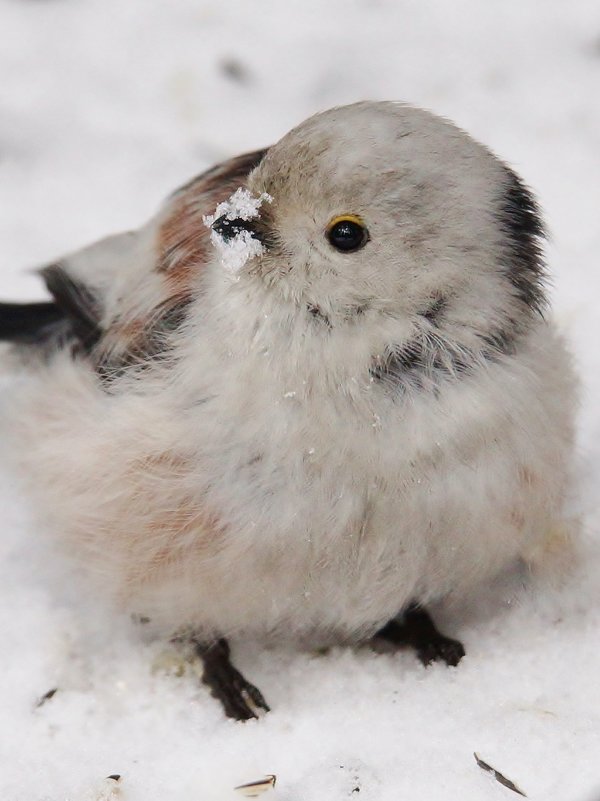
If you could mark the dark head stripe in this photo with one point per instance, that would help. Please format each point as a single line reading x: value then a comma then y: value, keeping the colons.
x: 521, y: 223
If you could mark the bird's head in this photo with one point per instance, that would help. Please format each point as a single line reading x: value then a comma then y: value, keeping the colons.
x: 383, y: 209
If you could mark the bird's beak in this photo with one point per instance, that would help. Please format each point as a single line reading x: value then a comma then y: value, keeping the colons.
x: 228, y: 229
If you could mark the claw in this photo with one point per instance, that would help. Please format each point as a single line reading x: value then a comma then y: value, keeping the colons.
x: 442, y: 649
x: 418, y: 630
x: 239, y: 698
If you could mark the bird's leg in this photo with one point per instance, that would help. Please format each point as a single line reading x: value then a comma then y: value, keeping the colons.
x: 239, y: 698
x: 416, y: 629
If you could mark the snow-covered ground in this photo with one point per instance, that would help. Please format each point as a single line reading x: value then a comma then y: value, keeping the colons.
x: 106, y: 105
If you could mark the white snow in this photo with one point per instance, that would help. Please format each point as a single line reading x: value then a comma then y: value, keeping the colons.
x: 106, y: 106
x: 236, y: 250
x: 242, y: 205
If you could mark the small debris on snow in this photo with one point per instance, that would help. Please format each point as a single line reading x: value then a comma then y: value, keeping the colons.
x: 108, y: 789
x: 46, y: 697
x: 254, y: 789
x: 498, y: 776
x: 171, y: 663
x: 237, y: 249
x: 235, y: 70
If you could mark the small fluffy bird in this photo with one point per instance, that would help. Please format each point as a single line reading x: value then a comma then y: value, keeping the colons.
x: 314, y: 394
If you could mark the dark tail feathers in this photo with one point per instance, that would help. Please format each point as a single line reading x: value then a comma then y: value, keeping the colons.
x: 72, y: 315
x: 30, y: 322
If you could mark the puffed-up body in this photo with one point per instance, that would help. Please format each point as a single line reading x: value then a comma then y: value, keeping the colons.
x: 366, y: 410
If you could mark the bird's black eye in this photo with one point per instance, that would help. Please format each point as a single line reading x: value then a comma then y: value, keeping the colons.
x: 347, y: 233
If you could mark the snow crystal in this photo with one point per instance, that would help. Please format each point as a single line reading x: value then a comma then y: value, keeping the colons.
x: 236, y: 250
x: 241, y: 205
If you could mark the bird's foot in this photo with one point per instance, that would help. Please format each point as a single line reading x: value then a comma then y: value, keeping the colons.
x: 240, y: 699
x: 417, y: 630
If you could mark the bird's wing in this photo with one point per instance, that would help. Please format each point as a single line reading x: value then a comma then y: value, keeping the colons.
x: 119, y: 298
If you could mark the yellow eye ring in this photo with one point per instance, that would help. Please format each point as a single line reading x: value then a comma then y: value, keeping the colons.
x: 346, y: 217
x: 347, y: 233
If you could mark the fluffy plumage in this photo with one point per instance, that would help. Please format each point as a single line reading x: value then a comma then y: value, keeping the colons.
x: 303, y: 448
